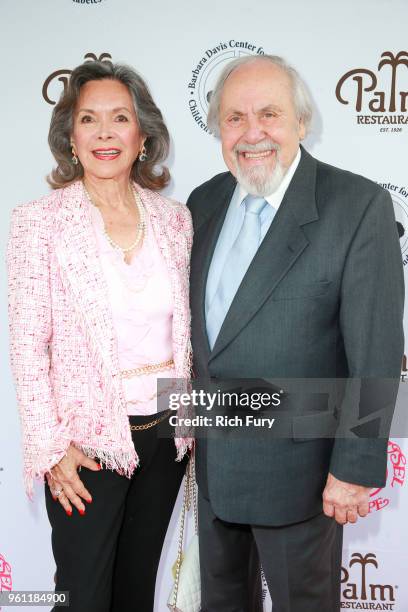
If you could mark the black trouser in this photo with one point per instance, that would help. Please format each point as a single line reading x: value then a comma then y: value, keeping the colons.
x: 301, y: 563
x: 108, y: 558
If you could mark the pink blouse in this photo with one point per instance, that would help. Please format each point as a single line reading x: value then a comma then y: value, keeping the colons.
x: 142, y: 310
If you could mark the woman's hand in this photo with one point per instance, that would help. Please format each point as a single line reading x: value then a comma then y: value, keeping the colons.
x: 65, y: 484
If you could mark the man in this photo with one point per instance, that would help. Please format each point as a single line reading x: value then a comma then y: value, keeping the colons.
x: 296, y: 273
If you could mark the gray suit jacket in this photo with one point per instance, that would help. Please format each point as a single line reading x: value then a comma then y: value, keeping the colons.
x: 322, y: 298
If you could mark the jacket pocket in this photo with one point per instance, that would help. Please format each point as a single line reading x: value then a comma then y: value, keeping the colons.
x: 307, y: 290
x: 311, y: 426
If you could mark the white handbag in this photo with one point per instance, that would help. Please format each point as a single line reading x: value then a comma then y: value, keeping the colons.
x: 185, y: 595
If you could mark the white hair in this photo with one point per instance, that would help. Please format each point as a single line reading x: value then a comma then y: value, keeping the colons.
x: 301, y: 96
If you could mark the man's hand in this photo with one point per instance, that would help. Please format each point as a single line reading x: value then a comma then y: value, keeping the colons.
x: 344, y: 501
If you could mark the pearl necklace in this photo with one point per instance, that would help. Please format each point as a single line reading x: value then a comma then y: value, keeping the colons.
x: 141, y: 226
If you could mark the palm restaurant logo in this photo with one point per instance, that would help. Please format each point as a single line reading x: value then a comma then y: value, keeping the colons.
x: 396, y: 474
x: 51, y: 88
x: 361, y: 588
x: 399, y: 195
x: 206, y: 71
x: 6, y: 582
x: 379, y: 96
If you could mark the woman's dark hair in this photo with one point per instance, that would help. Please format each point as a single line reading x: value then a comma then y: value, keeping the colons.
x: 150, y: 120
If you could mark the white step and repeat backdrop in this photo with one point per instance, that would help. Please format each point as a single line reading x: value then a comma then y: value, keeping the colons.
x: 353, y: 57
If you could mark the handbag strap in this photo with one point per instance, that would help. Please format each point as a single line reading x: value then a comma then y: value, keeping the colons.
x: 189, y: 497
x: 193, y: 492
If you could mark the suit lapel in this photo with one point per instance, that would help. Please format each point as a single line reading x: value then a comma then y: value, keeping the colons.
x: 82, y: 277
x: 284, y: 242
x: 205, y: 240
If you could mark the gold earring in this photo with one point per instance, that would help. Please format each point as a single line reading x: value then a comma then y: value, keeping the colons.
x: 74, y: 157
x: 143, y: 154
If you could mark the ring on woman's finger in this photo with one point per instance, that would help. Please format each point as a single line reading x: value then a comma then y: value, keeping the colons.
x: 57, y: 492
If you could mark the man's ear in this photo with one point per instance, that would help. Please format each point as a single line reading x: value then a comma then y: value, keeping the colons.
x: 301, y: 129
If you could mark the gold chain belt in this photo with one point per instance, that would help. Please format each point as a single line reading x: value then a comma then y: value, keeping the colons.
x: 148, y: 369
x: 151, y: 424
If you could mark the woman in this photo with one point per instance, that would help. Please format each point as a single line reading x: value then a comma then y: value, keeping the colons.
x: 98, y: 275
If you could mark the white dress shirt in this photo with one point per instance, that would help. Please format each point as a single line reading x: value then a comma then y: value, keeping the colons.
x: 233, y: 223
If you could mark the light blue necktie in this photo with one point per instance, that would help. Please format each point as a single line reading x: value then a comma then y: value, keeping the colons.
x: 236, y: 264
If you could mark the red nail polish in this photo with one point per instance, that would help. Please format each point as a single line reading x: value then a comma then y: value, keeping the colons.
x: 69, y: 512
x: 99, y: 466
x: 81, y: 512
x: 89, y: 501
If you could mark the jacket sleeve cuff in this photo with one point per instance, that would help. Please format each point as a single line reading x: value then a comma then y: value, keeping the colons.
x: 360, y: 461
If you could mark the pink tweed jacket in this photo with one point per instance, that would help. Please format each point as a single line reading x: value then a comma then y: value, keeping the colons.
x: 63, y: 346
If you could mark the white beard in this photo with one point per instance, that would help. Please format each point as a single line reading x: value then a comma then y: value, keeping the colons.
x: 259, y: 180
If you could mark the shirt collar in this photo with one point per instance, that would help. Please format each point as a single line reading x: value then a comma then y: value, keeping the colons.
x: 275, y: 199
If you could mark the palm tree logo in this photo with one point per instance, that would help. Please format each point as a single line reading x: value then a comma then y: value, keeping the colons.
x: 366, y: 81
x: 389, y: 59
x: 63, y: 74
x: 94, y: 58
x: 365, y: 560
